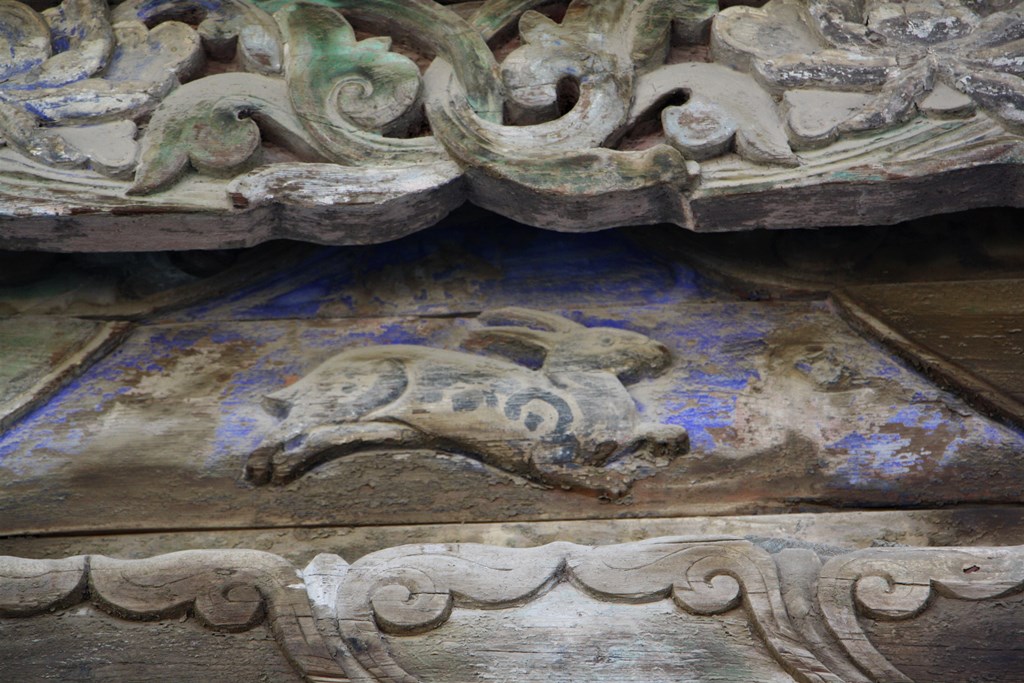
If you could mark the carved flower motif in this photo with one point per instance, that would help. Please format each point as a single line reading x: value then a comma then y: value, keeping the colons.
x: 945, y: 57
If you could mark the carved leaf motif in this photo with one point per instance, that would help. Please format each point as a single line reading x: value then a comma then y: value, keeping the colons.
x: 656, y: 24
x: 228, y: 590
x: 348, y: 94
x: 330, y: 620
x: 901, y: 57
x: 212, y: 125
x: 725, y: 110
x: 144, y: 69
x: 29, y: 587
x: 24, y: 38
x: 226, y: 25
x: 82, y: 39
x: 19, y: 130
x: 822, y: 69
x: 595, y: 186
x: 442, y: 32
x: 1001, y: 94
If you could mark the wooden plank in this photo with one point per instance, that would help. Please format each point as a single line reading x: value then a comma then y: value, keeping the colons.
x: 128, y: 286
x: 706, y: 608
x: 785, y: 406
x: 956, y: 641
x: 966, y: 526
x: 81, y: 643
x: 968, y: 335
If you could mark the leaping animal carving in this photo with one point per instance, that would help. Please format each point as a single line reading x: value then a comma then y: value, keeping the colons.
x: 555, y: 409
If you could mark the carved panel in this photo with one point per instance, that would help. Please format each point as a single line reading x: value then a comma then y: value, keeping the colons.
x: 560, y: 422
x: 355, y: 122
x: 791, y: 614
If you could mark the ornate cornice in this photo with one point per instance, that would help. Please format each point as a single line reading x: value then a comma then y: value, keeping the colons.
x: 814, y: 616
x: 206, y: 124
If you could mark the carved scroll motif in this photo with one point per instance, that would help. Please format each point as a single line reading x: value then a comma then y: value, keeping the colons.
x: 339, y: 622
x: 900, y: 583
x: 288, y: 99
x: 227, y: 590
x: 568, y: 422
x: 411, y: 590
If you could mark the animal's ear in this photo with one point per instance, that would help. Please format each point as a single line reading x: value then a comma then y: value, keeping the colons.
x: 527, y: 317
x: 519, y: 344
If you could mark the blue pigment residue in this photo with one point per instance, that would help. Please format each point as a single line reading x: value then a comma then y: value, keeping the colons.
x: 460, y: 268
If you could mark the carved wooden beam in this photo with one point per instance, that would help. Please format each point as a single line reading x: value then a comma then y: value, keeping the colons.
x: 664, y: 609
x: 174, y: 125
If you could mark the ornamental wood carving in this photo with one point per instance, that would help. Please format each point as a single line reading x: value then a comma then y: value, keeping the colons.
x: 569, y: 421
x: 204, y: 124
x: 792, y: 614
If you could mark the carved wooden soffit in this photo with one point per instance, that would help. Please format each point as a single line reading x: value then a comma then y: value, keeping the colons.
x: 388, y: 616
x: 206, y: 124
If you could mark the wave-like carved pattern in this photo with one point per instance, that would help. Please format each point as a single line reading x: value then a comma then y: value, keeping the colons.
x: 338, y: 622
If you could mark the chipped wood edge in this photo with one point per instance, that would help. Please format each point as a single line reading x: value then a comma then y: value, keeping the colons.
x: 106, y: 338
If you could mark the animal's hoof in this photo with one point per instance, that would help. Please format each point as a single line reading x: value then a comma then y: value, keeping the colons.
x: 613, y: 492
x: 259, y: 467
x: 673, y: 448
x: 613, y: 485
x: 665, y: 441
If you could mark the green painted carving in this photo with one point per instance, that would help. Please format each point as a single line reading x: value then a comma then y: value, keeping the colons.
x: 214, y: 125
x: 350, y: 94
x: 545, y: 113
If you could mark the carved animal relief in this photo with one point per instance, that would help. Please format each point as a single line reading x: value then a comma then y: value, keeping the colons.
x: 386, y: 115
x: 567, y: 422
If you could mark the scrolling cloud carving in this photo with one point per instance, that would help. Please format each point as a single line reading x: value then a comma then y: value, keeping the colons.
x: 569, y: 422
x: 386, y: 114
x: 336, y: 622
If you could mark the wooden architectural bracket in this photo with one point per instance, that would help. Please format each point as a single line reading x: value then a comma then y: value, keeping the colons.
x: 170, y: 125
x: 805, y: 616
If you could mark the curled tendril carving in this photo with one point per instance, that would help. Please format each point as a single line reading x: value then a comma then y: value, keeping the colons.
x: 405, y: 591
x: 526, y: 113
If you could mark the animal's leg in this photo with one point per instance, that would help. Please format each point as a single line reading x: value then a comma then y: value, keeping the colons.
x: 606, y: 482
x: 281, y: 463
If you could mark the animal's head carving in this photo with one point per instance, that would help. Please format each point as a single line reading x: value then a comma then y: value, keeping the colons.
x: 536, y: 339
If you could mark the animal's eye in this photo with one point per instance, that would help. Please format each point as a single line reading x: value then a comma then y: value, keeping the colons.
x: 606, y: 341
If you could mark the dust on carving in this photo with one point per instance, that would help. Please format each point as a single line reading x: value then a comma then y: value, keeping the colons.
x: 566, y: 420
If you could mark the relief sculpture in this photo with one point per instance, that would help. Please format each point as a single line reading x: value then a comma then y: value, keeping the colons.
x: 384, y: 116
x: 696, y: 609
x: 567, y: 422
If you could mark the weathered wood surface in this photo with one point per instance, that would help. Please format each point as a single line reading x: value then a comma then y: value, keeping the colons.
x: 787, y: 407
x: 964, y: 525
x: 177, y: 410
x: 83, y: 643
x: 968, y: 335
x: 131, y: 286
x: 40, y: 355
x: 136, y: 126
x: 965, y: 246
x: 700, y: 608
